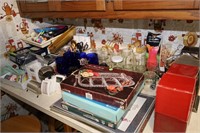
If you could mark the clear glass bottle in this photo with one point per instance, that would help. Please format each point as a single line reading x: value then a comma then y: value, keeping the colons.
x: 128, y: 59
x: 103, y: 56
x: 140, y: 58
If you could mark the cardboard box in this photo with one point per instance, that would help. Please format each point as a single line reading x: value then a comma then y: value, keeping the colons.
x: 104, y: 111
x: 175, y: 96
x: 134, y: 120
x: 121, y: 99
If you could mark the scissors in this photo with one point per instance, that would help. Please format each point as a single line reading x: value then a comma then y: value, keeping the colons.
x: 82, y: 47
x: 178, y: 49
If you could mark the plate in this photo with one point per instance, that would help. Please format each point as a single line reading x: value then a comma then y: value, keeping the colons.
x: 190, y: 39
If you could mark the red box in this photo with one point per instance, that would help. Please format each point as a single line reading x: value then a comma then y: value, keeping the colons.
x: 191, y: 70
x: 175, y: 96
x: 183, y: 69
x: 163, y: 123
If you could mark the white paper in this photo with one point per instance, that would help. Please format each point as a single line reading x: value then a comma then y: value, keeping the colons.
x: 131, y: 113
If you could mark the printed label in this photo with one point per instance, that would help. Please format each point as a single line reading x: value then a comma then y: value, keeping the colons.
x: 88, y: 95
x: 131, y: 113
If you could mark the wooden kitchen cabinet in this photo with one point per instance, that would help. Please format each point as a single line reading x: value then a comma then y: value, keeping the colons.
x: 155, y: 4
x: 33, y: 6
x: 81, y: 5
x: 111, y: 9
x: 27, y: 6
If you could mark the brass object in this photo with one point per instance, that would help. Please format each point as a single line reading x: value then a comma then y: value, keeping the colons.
x: 62, y: 40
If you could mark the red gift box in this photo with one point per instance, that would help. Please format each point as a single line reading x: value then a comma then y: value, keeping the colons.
x: 175, y: 96
x: 183, y: 69
x: 163, y: 123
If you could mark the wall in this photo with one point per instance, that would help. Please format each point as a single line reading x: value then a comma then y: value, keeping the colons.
x: 13, y: 28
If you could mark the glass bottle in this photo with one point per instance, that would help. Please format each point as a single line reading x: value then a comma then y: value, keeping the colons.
x: 103, y: 56
x: 128, y: 59
x: 140, y: 58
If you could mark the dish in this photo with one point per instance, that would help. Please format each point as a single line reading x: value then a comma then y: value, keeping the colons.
x: 190, y: 39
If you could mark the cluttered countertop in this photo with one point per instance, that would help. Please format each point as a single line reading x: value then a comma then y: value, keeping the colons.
x: 112, y: 75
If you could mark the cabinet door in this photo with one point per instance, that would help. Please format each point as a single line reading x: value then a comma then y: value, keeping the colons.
x: 81, y: 5
x: 154, y: 4
x: 36, y: 5
x: 61, y: 5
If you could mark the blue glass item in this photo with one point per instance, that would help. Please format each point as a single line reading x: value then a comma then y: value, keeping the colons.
x: 61, y: 66
x: 91, y: 57
x: 70, y: 61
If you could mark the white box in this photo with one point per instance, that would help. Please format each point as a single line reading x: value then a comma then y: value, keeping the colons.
x: 32, y: 69
x: 14, y: 84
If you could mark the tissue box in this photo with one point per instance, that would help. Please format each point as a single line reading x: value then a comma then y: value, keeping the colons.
x: 175, y: 96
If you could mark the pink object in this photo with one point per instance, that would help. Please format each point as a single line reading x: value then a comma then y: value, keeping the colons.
x: 152, y: 59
